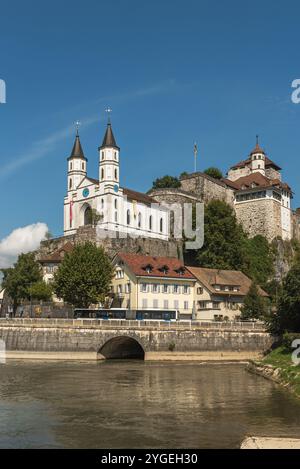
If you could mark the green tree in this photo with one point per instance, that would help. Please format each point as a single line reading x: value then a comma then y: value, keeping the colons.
x: 224, y: 238
x: 259, y: 259
x: 19, y: 279
x: 41, y: 291
x: 254, y: 306
x: 84, y: 276
x: 215, y: 173
x: 183, y: 174
x: 93, y: 217
x: 287, y: 317
x: 165, y: 182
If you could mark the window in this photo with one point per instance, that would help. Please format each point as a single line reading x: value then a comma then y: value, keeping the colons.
x: 176, y: 289
x: 71, y: 166
x: 144, y: 287
x: 161, y: 225
x: 155, y: 303
x: 103, y: 155
x: 186, y: 305
x: 127, y: 288
x: 70, y: 184
x: 155, y: 288
x: 199, y: 291
x: 83, y: 166
x: 128, y: 217
x: 139, y: 220
x: 202, y: 304
x: 186, y: 289
x: 119, y: 289
x: 176, y: 304
x: 116, y: 203
x: 166, y: 304
x: 116, y: 217
x: 216, y: 305
x: 150, y: 222
x: 115, y: 155
x: 165, y: 288
x: 145, y: 303
x: 102, y: 173
x: 116, y: 174
x: 119, y: 274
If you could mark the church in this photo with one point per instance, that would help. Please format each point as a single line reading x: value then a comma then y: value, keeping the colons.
x: 119, y: 211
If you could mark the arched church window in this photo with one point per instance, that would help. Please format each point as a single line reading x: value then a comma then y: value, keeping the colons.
x: 70, y: 184
x: 71, y: 166
x: 116, y: 217
x: 140, y: 220
x: 115, y: 155
x: 161, y: 225
x: 102, y: 203
x: 128, y: 217
x: 150, y: 222
x: 83, y: 166
x: 103, y: 155
x: 88, y: 216
x: 116, y: 174
x: 102, y: 173
x: 116, y: 203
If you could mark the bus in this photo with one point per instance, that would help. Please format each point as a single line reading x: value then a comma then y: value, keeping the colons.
x: 130, y: 315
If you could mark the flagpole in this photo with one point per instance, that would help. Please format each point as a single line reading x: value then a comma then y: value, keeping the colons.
x: 195, y: 155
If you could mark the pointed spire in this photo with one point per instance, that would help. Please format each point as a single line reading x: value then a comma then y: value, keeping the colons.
x: 77, y: 151
x: 109, y: 139
x: 257, y: 148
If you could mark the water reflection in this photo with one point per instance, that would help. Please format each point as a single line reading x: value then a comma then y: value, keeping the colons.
x: 139, y: 405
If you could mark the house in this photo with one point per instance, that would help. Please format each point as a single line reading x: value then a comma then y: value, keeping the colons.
x: 219, y: 294
x: 51, y: 263
x: 147, y: 282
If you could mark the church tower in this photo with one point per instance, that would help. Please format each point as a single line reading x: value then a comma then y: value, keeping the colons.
x: 109, y: 171
x: 77, y: 165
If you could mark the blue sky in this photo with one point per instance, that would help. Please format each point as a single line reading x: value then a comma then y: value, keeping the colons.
x: 172, y: 71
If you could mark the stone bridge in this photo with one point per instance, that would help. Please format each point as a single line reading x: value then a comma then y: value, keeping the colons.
x: 133, y: 339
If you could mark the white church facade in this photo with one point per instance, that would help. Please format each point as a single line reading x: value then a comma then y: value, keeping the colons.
x: 119, y: 211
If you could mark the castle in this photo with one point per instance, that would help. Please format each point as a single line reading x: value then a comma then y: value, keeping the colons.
x: 255, y: 190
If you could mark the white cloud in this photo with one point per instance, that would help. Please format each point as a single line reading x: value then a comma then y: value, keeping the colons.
x: 21, y: 240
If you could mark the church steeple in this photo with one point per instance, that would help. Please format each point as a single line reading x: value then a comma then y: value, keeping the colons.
x: 109, y: 139
x: 77, y: 151
x: 109, y: 152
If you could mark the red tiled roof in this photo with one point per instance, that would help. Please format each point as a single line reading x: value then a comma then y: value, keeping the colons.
x: 139, y: 196
x: 137, y: 263
x: 58, y: 255
x: 234, y: 278
x: 260, y: 181
x: 246, y: 162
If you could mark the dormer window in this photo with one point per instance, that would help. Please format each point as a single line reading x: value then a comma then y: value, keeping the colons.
x: 164, y: 269
x: 148, y: 268
x: 180, y: 270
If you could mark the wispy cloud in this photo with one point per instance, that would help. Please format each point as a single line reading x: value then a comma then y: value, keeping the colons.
x: 42, y: 147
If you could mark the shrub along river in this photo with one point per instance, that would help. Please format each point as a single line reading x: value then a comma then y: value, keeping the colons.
x: 135, y: 404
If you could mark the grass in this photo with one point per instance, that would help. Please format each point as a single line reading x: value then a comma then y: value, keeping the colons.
x: 289, y: 373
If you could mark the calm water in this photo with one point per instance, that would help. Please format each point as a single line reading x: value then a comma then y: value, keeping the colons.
x: 139, y: 405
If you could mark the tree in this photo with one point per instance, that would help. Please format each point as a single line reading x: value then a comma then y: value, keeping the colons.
x: 93, y: 217
x: 259, y: 259
x: 84, y: 276
x: 224, y: 238
x: 41, y: 291
x: 183, y: 174
x: 215, y: 173
x: 166, y: 182
x: 19, y: 279
x: 254, y: 306
x: 287, y: 317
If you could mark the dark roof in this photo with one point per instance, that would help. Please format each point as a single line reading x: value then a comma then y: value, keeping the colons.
x: 58, y: 255
x: 257, y: 149
x: 259, y: 180
x: 234, y: 278
x: 138, y: 264
x: 268, y: 163
x: 139, y: 196
x: 109, y: 139
x: 77, y: 151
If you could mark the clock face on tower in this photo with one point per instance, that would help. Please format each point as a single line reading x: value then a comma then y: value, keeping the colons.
x: 116, y: 188
x: 85, y: 192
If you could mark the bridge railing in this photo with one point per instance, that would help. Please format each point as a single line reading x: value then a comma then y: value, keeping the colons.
x: 133, y: 324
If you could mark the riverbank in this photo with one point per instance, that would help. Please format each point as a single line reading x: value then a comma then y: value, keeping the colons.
x: 278, y: 367
x: 229, y: 357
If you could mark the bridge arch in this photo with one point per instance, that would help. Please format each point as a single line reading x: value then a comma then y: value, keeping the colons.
x: 122, y: 347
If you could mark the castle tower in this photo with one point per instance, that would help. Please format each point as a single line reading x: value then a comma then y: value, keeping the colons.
x: 109, y: 171
x: 258, y: 159
x: 77, y: 165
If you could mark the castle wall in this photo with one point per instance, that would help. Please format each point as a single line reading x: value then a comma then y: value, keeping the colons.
x: 207, y: 188
x: 273, y: 174
x: 234, y: 174
x: 260, y: 217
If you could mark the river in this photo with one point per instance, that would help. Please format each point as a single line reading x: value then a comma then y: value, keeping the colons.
x: 133, y: 404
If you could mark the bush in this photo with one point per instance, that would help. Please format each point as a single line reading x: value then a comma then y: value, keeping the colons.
x: 172, y: 347
x: 287, y: 340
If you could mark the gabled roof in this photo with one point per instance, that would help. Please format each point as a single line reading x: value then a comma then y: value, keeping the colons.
x: 268, y: 163
x: 58, y: 255
x: 138, y: 264
x: 231, y: 278
x: 139, y: 196
x: 258, y: 180
x: 77, y: 151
